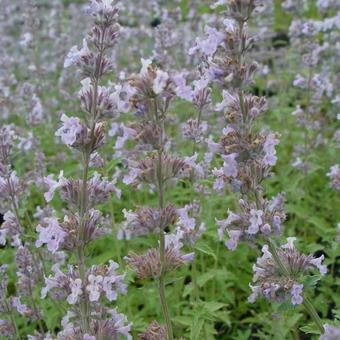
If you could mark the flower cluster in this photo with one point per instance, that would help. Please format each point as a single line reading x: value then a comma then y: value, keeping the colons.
x: 248, y: 156
x: 275, y: 283
x: 100, y: 281
x: 150, y: 265
x: 83, y: 287
x: 251, y: 222
x: 315, y: 79
x: 334, y: 175
x: 153, y: 90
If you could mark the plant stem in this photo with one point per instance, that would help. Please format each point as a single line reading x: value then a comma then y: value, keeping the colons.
x: 81, y: 239
x: 313, y: 313
x: 165, y: 308
x: 14, y: 324
x: 160, y: 180
x: 194, y: 280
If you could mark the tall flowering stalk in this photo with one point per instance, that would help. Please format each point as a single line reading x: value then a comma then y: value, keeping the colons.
x: 248, y: 157
x: 151, y: 163
x: 84, y: 287
x: 315, y: 79
x: 29, y: 268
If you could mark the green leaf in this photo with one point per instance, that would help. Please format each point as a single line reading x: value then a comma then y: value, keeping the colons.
x: 204, y: 248
x: 311, y: 281
x: 196, y: 328
x: 182, y: 320
x: 213, y: 306
x: 310, y: 329
x: 204, y: 278
x: 188, y: 290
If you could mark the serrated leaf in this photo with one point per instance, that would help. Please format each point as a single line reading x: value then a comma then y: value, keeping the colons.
x: 204, y: 278
x: 213, y: 306
x: 187, y: 290
x: 182, y: 320
x: 204, y: 248
x: 310, y: 329
x: 196, y: 328
x: 311, y: 281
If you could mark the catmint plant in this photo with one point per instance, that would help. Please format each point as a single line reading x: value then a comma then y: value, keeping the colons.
x: 152, y: 163
x: 84, y: 287
x: 248, y: 157
x: 13, y: 232
x: 315, y: 79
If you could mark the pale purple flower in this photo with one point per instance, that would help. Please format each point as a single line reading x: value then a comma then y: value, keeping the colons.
x: 223, y: 224
x: 21, y: 308
x: 230, y: 165
x: 317, y: 263
x: 256, y: 291
x: 3, y: 234
x: 234, y: 237
x: 70, y: 129
x: 196, y: 167
x: 255, y: 221
x: 94, y: 287
x: 160, y: 81
x: 296, y: 293
x: 118, y: 325
x: 334, y: 175
x: 300, y: 81
x: 53, y: 235
x: 209, y: 45
x: 10, y: 227
x: 74, y: 56
x: 76, y: 291
x: 146, y: 63
x: 53, y: 185
x: 188, y: 226
x: 173, y: 243
x: 289, y: 244
x: 219, y: 3
x: 219, y: 181
x: 59, y: 280
x: 228, y: 100
x: 132, y: 175
x: 6, y: 329
x: 113, y: 282
x: 270, y: 157
x: 182, y: 90
x: 331, y: 333
x: 128, y: 134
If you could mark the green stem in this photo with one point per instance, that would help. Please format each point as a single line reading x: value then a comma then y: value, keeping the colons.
x: 160, y: 180
x: 81, y: 246
x: 313, y: 313
x: 194, y: 280
x: 12, y: 318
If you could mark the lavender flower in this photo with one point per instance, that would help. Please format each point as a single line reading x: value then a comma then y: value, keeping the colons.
x: 334, y: 175
x: 149, y: 265
x: 331, y: 333
x: 53, y: 235
x: 71, y: 130
x: 83, y: 287
x: 274, y: 284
